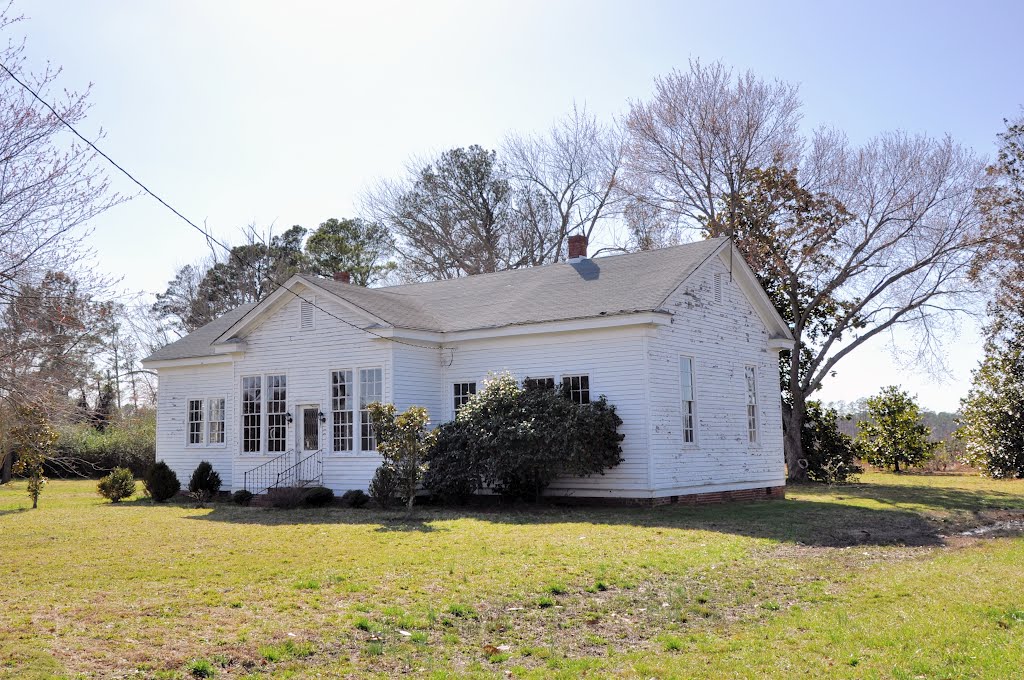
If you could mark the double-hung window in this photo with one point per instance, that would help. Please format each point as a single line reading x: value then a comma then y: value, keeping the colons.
x: 277, y: 413
x: 264, y: 414
x: 750, y: 377
x: 686, y: 396
x: 577, y: 387
x: 195, y: 422
x: 205, y: 421
x: 371, y: 389
x: 252, y: 414
x: 342, y: 392
x: 461, y: 393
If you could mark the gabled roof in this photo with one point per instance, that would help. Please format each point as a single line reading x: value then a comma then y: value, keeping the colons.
x: 198, y: 342
x: 587, y: 288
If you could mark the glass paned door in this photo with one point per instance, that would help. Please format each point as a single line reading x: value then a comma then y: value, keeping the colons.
x: 310, y: 429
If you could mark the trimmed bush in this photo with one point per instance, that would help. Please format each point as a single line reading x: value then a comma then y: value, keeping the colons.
x: 286, y: 497
x: 517, y: 441
x: 242, y: 497
x: 120, y: 483
x: 205, y: 481
x: 318, y: 496
x: 354, y: 498
x: 831, y: 455
x: 384, y: 486
x: 161, y: 482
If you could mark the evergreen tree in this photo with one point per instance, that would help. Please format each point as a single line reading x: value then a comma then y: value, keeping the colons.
x: 893, y: 434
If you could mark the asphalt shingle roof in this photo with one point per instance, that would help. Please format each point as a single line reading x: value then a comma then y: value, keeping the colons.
x: 603, y: 286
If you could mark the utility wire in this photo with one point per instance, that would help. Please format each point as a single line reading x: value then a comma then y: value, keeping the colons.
x: 209, y: 237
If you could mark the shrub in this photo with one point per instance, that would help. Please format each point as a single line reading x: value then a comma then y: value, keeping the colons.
x: 286, y: 497
x: 518, y: 441
x: 403, y: 440
x: 205, y: 481
x: 120, y: 483
x: 355, y: 498
x: 242, y: 497
x: 318, y: 496
x: 161, y: 482
x: 129, y: 442
x: 830, y: 454
x: 384, y: 486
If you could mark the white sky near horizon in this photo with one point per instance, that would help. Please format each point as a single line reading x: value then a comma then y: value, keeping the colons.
x: 282, y: 113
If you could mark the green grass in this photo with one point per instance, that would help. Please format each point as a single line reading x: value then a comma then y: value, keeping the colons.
x: 871, y: 580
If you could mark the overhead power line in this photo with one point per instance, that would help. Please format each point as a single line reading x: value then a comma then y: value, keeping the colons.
x: 206, y: 234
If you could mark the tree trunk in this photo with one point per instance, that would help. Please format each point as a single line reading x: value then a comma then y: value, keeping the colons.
x: 793, y: 421
x: 5, y: 467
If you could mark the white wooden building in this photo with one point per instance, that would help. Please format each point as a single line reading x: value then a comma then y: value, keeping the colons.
x: 682, y: 340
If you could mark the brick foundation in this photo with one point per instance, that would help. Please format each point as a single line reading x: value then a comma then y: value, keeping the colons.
x: 761, y: 493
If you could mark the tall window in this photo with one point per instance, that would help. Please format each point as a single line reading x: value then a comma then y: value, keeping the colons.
x: 195, y: 421
x: 252, y: 396
x: 750, y: 374
x: 341, y: 409
x: 687, y: 397
x: 215, y: 422
x: 461, y: 393
x: 277, y: 414
x: 577, y: 387
x: 371, y: 389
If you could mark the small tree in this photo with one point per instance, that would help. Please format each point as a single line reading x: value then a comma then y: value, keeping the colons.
x: 34, y: 440
x: 161, y: 482
x: 893, y: 433
x: 119, y: 484
x: 403, y: 440
x: 205, y: 482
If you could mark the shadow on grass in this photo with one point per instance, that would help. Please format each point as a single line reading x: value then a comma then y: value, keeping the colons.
x: 12, y: 511
x: 818, y: 517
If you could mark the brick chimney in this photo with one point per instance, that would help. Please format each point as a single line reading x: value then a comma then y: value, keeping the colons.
x: 577, y: 246
x: 343, y: 277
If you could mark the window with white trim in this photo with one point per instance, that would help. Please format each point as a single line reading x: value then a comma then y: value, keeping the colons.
x: 371, y: 389
x: 686, y: 395
x: 215, y: 421
x: 577, y: 387
x: 195, y: 422
x: 252, y: 410
x: 341, y: 410
x: 750, y: 376
x: 539, y: 383
x: 461, y: 393
x: 277, y: 413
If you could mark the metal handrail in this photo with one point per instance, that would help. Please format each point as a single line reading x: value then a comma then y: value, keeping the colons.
x: 262, y: 477
x: 313, y: 463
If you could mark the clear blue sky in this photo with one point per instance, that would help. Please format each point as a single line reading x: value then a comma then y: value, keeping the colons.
x: 282, y: 113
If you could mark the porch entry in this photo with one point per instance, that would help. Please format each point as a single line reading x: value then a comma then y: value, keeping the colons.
x: 308, y: 431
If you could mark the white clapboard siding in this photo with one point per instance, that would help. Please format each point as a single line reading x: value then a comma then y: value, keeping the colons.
x: 177, y: 387
x: 722, y: 337
x: 614, y: 361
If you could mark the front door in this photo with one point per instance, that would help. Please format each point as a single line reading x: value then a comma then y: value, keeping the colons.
x: 309, y: 430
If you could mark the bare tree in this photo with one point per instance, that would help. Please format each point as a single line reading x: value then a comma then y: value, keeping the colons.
x: 689, y: 148
x: 50, y: 188
x: 888, y: 241
x: 565, y: 181
x: 451, y: 216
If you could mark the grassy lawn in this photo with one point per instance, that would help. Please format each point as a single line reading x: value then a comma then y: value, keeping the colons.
x: 865, y: 581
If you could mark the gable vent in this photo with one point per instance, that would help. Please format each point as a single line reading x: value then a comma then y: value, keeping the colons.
x: 718, y: 287
x: 306, y: 315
